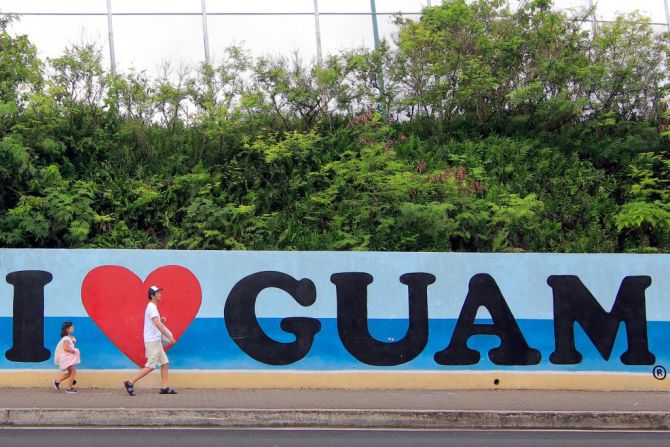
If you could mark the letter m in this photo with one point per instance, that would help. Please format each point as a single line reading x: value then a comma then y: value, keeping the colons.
x: 573, y: 303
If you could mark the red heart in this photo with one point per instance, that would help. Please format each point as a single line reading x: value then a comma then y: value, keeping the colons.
x: 115, y: 298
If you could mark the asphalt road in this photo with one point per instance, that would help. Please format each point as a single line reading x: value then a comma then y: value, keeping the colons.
x: 323, y: 438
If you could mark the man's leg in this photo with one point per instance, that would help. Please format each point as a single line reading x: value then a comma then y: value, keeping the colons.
x: 164, y: 375
x: 152, y: 359
x: 141, y: 373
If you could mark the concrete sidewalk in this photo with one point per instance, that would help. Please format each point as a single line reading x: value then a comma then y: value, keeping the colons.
x: 338, y: 408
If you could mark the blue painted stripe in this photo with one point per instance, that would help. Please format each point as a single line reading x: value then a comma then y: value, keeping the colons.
x: 207, y: 345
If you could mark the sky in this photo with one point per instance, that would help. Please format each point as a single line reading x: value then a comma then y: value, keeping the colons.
x: 144, y: 42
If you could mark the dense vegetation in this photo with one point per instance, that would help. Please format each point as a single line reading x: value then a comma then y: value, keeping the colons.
x: 501, y: 131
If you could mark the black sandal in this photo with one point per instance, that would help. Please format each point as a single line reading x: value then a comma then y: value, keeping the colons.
x: 167, y: 391
x: 130, y: 388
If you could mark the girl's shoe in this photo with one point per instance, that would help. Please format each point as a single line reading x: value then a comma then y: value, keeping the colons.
x: 71, y: 391
x: 56, y: 385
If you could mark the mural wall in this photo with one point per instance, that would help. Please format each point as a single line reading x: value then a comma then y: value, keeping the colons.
x: 337, y: 311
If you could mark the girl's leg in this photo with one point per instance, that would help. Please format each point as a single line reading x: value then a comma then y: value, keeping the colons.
x: 73, y: 373
x: 63, y: 377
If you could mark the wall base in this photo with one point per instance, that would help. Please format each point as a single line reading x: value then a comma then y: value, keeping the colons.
x: 351, y: 380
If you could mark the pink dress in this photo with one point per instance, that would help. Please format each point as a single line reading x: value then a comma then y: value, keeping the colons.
x: 67, y: 359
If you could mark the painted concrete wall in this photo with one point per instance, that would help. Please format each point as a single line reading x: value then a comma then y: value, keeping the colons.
x: 334, y: 319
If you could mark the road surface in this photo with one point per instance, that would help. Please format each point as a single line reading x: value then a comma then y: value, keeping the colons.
x: 323, y: 438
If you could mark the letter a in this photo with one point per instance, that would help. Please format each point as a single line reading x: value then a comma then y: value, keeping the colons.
x: 513, y: 350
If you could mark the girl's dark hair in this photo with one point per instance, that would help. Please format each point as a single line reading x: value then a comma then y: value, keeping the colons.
x: 64, y: 327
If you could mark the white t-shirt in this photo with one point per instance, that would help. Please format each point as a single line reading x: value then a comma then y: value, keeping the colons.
x: 151, y: 332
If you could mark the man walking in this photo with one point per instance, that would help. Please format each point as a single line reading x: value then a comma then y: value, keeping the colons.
x: 153, y: 329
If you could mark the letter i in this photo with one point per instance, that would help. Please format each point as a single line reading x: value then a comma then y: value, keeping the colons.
x: 28, y: 321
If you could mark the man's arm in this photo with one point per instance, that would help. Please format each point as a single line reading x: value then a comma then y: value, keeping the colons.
x: 163, y: 330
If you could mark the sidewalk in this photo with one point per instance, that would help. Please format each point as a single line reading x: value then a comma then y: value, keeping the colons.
x: 338, y: 408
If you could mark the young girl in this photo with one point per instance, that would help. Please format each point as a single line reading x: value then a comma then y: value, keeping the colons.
x: 67, y: 356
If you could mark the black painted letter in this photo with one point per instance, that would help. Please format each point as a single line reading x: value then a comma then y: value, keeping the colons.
x: 513, y: 350
x: 28, y: 321
x: 573, y: 303
x: 352, y: 319
x: 243, y: 327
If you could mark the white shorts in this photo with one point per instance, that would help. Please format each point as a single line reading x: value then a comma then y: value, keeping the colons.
x: 155, y: 354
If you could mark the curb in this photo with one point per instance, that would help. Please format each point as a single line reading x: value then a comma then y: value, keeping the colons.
x: 352, y: 419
